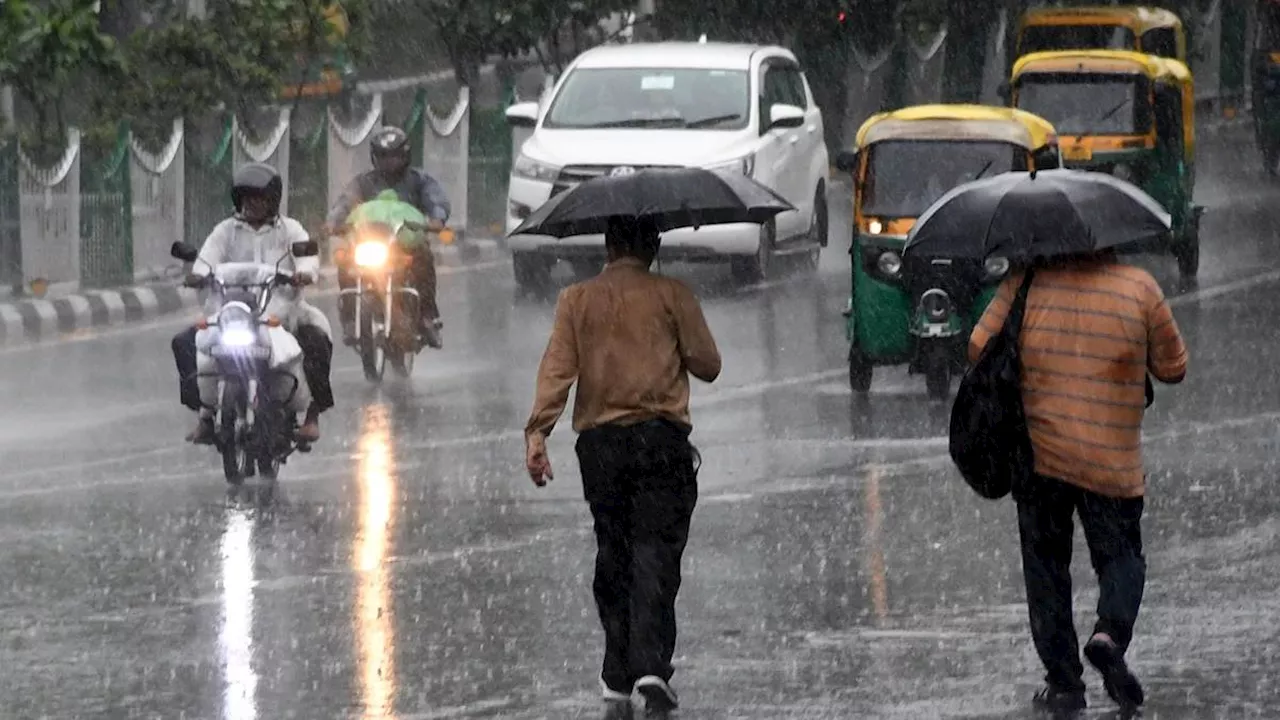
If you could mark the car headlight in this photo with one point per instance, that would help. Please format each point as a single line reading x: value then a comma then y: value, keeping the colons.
x: 889, y: 263
x: 530, y: 169
x: 996, y: 266
x: 372, y: 253
x: 745, y: 165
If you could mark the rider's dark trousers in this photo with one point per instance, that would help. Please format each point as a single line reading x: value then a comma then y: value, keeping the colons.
x: 317, y: 354
x: 421, y: 275
x: 641, y: 484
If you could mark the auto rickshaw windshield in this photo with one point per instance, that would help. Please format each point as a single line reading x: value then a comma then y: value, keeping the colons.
x: 1087, y: 104
x: 1039, y: 38
x: 905, y: 177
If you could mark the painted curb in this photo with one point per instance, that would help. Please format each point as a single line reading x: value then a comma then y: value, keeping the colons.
x: 27, y: 321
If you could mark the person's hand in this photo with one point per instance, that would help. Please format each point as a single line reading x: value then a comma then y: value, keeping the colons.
x: 537, y: 462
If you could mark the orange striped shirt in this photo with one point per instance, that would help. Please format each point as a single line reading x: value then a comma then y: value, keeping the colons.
x: 1090, y: 334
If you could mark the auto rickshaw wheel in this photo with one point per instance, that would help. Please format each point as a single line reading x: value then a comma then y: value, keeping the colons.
x: 937, y: 378
x: 860, y: 370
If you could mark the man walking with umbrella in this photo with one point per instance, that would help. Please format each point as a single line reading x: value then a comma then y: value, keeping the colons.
x: 630, y: 339
x: 1092, y: 329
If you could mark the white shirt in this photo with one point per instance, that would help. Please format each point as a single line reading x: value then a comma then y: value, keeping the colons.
x: 234, y: 240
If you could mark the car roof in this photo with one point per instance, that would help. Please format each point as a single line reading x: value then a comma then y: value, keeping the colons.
x: 957, y: 121
x: 710, y: 55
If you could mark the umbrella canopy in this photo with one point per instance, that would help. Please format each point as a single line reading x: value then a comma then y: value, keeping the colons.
x: 1025, y: 216
x: 671, y: 197
x: 388, y: 209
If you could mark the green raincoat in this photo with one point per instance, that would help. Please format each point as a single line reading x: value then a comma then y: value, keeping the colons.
x: 388, y: 209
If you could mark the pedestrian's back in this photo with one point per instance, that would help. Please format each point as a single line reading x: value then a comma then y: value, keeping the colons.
x: 1090, y: 334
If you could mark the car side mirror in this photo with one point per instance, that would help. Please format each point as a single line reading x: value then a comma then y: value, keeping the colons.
x: 523, y: 115
x: 184, y: 252
x: 847, y: 161
x: 305, y: 248
x: 787, y: 116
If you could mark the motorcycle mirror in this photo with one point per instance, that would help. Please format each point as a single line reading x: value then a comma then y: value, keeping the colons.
x: 183, y: 251
x: 306, y: 248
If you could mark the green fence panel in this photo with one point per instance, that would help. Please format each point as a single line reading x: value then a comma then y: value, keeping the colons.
x: 106, y: 216
x: 207, y: 191
x: 10, y: 220
x: 309, y: 175
x: 489, y: 169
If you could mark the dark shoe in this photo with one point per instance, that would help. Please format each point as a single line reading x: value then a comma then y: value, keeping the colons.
x: 1059, y: 701
x: 659, y: 698
x: 1120, y: 684
x: 431, y: 334
x: 203, y: 433
x: 310, y: 430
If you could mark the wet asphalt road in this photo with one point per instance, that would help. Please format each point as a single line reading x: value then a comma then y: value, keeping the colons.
x: 837, y: 568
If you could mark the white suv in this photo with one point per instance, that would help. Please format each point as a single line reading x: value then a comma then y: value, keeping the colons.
x: 712, y: 105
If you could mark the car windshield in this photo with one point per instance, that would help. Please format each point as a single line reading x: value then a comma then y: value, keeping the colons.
x: 652, y: 98
x: 1040, y: 38
x: 1084, y: 104
x: 905, y: 177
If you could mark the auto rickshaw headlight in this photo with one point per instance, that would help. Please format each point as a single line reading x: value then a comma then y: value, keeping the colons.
x: 936, y: 305
x: 875, y: 227
x: 889, y: 263
x: 1123, y: 172
x: 996, y: 266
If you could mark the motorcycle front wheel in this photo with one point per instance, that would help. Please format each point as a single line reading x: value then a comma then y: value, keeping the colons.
x: 373, y: 355
x: 236, y: 461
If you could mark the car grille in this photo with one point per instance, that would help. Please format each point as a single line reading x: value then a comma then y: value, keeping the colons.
x: 571, y: 175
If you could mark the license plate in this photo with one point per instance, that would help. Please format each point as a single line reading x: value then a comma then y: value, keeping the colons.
x: 1077, y: 152
x: 253, y: 351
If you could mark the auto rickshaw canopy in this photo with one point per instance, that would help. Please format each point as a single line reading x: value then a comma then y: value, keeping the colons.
x: 1159, y: 70
x: 1138, y: 19
x: 963, y: 122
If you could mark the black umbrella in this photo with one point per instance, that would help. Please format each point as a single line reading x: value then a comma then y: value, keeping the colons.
x: 672, y: 197
x: 1024, y: 216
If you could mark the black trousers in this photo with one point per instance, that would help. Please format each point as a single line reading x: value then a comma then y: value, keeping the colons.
x: 641, y: 484
x: 317, y: 355
x: 421, y: 276
x: 1112, y: 528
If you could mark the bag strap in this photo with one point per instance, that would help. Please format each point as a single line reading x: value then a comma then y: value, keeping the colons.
x: 1013, y: 322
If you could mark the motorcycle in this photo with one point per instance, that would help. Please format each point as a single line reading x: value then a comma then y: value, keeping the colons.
x: 386, y: 307
x: 249, y: 367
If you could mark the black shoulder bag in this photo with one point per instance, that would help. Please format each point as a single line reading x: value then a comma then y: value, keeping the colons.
x: 989, y: 441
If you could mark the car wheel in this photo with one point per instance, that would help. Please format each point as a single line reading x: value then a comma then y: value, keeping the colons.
x: 760, y: 266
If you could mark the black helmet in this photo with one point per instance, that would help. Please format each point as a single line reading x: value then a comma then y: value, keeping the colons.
x: 389, y: 142
x: 257, y: 180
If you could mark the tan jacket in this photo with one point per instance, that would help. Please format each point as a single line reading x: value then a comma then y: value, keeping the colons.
x: 630, y: 339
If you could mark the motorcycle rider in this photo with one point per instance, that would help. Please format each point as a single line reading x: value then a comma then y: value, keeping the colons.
x: 257, y: 232
x: 390, y: 152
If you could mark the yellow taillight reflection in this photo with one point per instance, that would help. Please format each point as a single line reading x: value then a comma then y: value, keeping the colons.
x: 373, y: 611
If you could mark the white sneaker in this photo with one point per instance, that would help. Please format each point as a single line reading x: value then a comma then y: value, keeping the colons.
x: 658, y: 695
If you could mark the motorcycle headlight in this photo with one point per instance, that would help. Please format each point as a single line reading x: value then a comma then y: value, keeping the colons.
x: 530, y: 169
x: 889, y: 263
x: 996, y: 266
x: 238, y: 336
x: 936, y: 305
x: 371, y: 253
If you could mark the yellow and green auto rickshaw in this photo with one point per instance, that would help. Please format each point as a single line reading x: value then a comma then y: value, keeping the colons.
x: 1154, y: 31
x: 902, y: 162
x: 1125, y: 113
x: 1265, y: 67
